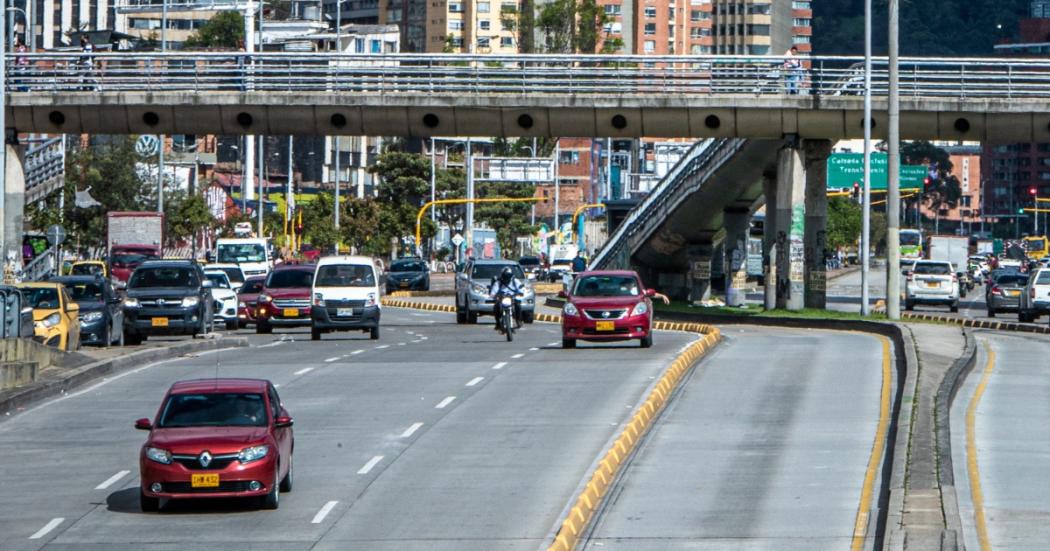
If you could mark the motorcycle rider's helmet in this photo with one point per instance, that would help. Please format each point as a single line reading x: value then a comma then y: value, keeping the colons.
x: 506, y: 276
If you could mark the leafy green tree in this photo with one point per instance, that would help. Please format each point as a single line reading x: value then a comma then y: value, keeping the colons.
x: 510, y: 220
x: 186, y: 216
x: 319, y: 222
x: 844, y: 223
x: 944, y: 190
x: 224, y: 30
x: 360, y: 218
x: 404, y: 187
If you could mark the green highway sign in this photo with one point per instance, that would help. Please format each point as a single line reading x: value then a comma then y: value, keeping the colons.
x: 846, y: 168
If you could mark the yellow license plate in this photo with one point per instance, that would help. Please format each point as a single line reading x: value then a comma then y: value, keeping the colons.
x: 932, y: 284
x: 605, y: 325
x: 404, y: 284
x: 160, y: 322
x: 204, y: 480
x: 291, y: 313
x: 1013, y: 293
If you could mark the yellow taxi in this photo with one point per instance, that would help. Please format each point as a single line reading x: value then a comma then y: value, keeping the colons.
x: 89, y: 268
x: 56, y: 317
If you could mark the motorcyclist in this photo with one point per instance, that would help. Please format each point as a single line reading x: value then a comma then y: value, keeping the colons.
x: 506, y: 285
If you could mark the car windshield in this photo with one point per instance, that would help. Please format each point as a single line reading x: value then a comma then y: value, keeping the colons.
x: 86, y: 269
x: 163, y: 277
x: 408, y: 266
x: 485, y: 272
x: 1018, y: 280
x: 606, y: 286
x: 242, y: 252
x: 254, y: 286
x: 124, y: 260
x: 1044, y: 278
x: 235, y: 274
x: 345, y: 275
x: 908, y: 238
x: 932, y: 268
x: 290, y: 278
x: 220, y: 409
x: 529, y: 261
x: 219, y: 279
x: 85, y: 292
x: 41, y: 297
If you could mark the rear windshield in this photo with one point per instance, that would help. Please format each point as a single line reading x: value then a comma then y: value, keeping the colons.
x: 282, y: 279
x: 85, y: 292
x: 1044, y: 278
x: 1011, y: 279
x: 529, y: 261
x: 606, y: 286
x: 345, y: 275
x: 86, y: 269
x: 929, y: 268
x: 123, y: 260
x: 408, y: 266
x: 163, y: 277
x: 235, y: 274
x: 214, y: 410
x: 489, y: 271
x: 253, y: 286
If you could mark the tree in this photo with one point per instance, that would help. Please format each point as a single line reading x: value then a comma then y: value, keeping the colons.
x: 319, y: 222
x: 844, y: 223
x: 186, y: 216
x: 224, y: 30
x: 943, y: 192
x: 510, y: 220
x: 359, y: 222
x: 404, y: 186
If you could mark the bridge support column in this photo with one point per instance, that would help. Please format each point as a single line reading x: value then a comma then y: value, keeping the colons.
x: 14, y: 207
x: 817, y: 152
x: 790, y: 229
x: 769, y: 241
x: 698, y: 277
x: 735, y: 246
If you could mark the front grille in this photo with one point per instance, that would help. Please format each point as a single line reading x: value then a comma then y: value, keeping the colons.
x: 617, y: 331
x: 161, y: 302
x: 192, y: 462
x: 344, y: 303
x: 186, y: 488
x: 605, y: 314
x: 292, y: 303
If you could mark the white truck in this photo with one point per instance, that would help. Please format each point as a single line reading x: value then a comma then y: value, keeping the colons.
x: 251, y: 254
x: 956, y: 250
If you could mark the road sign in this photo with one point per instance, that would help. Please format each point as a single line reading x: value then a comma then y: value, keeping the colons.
x: 147, y: 145
x: 845, y: 169
x: 457, y: 240
x: 56, y: 235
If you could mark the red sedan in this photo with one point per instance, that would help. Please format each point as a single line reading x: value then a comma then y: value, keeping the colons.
x: 247, y: 297
x: 607, y: 306
x: 285, y: 298
x: 217, y: 438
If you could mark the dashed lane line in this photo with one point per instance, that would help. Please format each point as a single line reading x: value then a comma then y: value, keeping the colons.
x: 305, y: 370
x: 475, y: 381
x: 330, y: 360
x: 499, y: 365
x: 47, y: 528
x: 411, y: 430
x: 371, y: 463
x: 382, y: 346
x: 517, y: 356
x: 445, y: 402
x: 112, y: 480
x: 327, y: 508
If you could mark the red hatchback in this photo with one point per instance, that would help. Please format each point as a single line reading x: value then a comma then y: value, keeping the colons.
x: 285, y: 298
x: 607, y: 306
x: 217, y: 438
x: 247, y: 298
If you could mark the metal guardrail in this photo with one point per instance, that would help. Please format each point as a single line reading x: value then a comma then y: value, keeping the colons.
x: 14, y: 323
x: 515, y: 75
x: 45, y: 169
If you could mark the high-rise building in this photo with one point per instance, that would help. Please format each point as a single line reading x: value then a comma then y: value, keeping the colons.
x: 457, y: 26
x: 55, y: 20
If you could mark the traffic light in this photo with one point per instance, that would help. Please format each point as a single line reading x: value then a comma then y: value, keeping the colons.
x: 1032, y: 191
x: 855, y: 194
x: 926, y: 182
x: 1020, y: 210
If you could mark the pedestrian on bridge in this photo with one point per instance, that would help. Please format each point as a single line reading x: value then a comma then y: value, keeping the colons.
x: 793, y: 70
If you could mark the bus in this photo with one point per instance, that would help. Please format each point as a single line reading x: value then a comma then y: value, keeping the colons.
x: 1036, y: 247
x: 911, y: 243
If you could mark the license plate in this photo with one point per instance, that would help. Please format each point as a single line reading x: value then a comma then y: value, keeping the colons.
x: 605, y: 325
x: 291, y: 312
x: 160, y: 322
x: 404, y: 284
x: 204, y: 481
x: 341, y: 312
x: 932, y: 284
x: 1013, y: 293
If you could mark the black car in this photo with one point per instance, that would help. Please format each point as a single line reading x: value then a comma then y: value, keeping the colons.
x: 532, y: 267
x: 101, y: 310
x: 167, y: 297
x: 408, y: 274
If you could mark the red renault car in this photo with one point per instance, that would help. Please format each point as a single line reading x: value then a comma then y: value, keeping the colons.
x: 247, y: 299
x: 285, y: 298
x: 607, y: 306
x: 217, y: 438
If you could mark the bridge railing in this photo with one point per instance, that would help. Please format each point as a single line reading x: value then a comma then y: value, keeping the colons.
x: 45, y: 167
x: 472, y: 74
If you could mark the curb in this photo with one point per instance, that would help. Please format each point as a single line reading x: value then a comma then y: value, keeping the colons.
x: 409, y: 294
x: 81, y: 375
x: 969, y: 322
x: 953, y: 379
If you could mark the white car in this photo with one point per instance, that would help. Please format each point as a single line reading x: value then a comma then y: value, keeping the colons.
x: 345, y: 295
x: 1035, y: 300
x: 932, y: 282
x: 233, y: 271
x: 225, y: 298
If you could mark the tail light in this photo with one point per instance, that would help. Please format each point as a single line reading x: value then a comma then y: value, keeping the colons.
x: 997, y: 291
x: 955, y: 278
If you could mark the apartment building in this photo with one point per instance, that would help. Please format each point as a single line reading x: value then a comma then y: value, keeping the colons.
x: 53, y: 21
x: 457, y: 26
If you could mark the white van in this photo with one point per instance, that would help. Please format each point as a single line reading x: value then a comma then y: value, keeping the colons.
x: 251, y: 254
x: 345, y: 296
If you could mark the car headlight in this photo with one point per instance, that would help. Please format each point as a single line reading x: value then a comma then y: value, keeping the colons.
x: 241, y: 304
x: 51, y: 320
x: 266, y: 298
x: 131, y: 302
x: 158, y: 455
x: 89, y: 317
x: 318, y: 299
x: 189, y: 302
x: 570, y: 309
x: 253, y: 453
x: 640, y: 308
x: 479, y: 289
x: 371, y: 300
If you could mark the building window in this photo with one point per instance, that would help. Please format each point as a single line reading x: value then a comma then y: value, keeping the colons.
x: 759, y: 9
x: 650, y: 28
x: 800, y: 39
x: 569, y: 158
x: 455, y: 7
x: 670, y: 13
x: 800, y: 5
x: 507, y: 7
x: 483, y: 42
x: 457, y: 42
x: 483, y: 7
x: 376, y: 46
x: 757, y: 30
x: 485, y: 25
x: 614, y: 28
x: 650, y: 11
x: 182, y: 143
x: 359, y: 45
x: 649, y: 46
x: 506, y: 42
x: 799, y: 22
x: 613, y: 9
x: 699, y: 15
x: 758, y: 50
x: 455, y: 24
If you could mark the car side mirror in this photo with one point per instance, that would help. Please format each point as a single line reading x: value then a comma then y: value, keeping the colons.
x: 563, y: 294
x: 283, y: 421
x: 72, y: 307
x: 207, y: 284
x: 143, y: 424
x: 650, y: 293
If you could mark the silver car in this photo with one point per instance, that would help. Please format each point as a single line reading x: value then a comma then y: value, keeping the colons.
x: 1004, y: 290
x: 472, y: 290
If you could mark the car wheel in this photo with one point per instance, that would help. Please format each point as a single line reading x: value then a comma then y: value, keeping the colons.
x: 461, y: 314
x: 231, y: 325
x: 528, y: 317
x: 472, y: 317
x: 426, y: 287
x: 148, y: 504
x: 647, y: 341
x: 1021, y: 317
x: 108, y: 337
x: 286, y: 482
x: 132, y: 338
x: 315, y: 334
x: 991, y: 313
x: 373, y: 333
x: 263, y: 328
x: 568, y: 343
x: 272, y: 500
x: 954, y: 308
x: 909, y: 305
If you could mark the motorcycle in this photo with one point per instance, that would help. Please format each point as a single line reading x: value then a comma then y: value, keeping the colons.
x: 507, y: 320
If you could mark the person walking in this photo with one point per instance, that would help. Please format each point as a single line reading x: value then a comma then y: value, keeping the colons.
x: 792, y: 69
x: 87, y: 62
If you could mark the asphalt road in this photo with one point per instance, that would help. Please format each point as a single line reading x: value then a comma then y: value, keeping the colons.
x: 438, y: 436
x: 766, y: 446
x: 1001, y: 444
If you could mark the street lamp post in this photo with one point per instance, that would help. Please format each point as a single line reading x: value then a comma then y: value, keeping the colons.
x: 339, y: 49
x: 893, y: 196
x: 865, y: 235
x: 470, y: 196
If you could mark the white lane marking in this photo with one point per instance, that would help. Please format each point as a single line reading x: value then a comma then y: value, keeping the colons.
x: 305, y: 370
x: 401, y: 344
x: 533, y: 349
x: 417, y: 340
x: 555, y: 343
x: 411, y: 332
x: 47, y: 528
x: 421, y: 315
x: 475, y: 381
x: 111, y: 480
x: 319, y: 517
x: 277, y: 385
x: 382, y: 346
x: 445, y: 402
x: 356, y: 352
x: 330, y: 360
x: 516, y: 356
x: 371, y: 463
x: 411, y: 430
x: 499, y: 365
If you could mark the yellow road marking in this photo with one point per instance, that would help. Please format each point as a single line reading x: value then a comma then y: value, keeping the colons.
x: 860, y: 527
x: 976, y: 495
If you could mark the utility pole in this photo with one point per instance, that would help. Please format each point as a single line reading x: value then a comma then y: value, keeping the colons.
x: 893, y: 193
x: 557, y: 187
x: 289, y: 198
x: 865, y: 236
x: 160, y: 137
x: 470, y: 195
x: 339, y: 50
x: 433, y: 189
x: 262, y: 174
